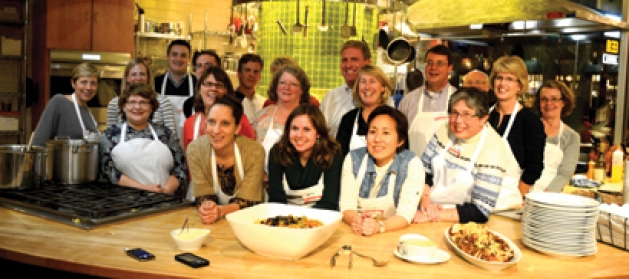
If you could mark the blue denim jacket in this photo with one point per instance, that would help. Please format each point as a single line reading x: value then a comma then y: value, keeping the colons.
x: 399, y: 167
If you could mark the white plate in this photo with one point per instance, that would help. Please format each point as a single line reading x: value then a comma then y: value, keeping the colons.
x: 558, y: 253
x: 439, y: 257
x: 561, y: 200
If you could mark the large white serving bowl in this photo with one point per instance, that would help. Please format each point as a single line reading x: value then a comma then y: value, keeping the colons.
x: 282, y: 243
x: 491, y: 266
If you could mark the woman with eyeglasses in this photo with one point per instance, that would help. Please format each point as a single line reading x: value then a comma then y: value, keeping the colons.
x: 214, y: 83
x: 289, y: 88
x: 519, y: 126
x: 555, y: 100
x: 139, y: 154
x: 464, y: 163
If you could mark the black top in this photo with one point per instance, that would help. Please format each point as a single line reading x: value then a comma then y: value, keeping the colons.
x: 300, y: 177
x: 239, y: 95
x: 171, y: 89
x: 188, y: 106
x: 527, y: 140
x: 344, y: 134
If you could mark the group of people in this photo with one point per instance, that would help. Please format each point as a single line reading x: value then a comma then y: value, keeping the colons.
x: 443, y: 155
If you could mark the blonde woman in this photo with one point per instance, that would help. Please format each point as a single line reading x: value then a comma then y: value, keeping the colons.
x: 68, y: 115
x: 138, y: 72
x: 520, y: 127
x: 373, y: 89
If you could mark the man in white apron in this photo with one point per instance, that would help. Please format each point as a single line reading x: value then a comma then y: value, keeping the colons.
x: 427, y: 106
x: 249, y: 75
x: 177, y: 84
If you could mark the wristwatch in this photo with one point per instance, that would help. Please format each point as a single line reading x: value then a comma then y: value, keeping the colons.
x: 382, y: 229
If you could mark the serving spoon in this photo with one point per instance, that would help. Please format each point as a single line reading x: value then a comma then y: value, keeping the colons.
x: 375, y: 262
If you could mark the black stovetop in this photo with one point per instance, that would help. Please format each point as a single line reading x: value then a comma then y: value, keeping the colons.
x: 88, y: 205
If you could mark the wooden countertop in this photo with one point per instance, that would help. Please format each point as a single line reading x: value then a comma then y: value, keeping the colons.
x: 99, y: 252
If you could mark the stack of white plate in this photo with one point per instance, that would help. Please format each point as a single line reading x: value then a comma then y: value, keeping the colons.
x: 560, y: 224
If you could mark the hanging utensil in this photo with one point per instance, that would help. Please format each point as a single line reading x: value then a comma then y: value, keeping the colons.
x: 281, y: 27
x: 306, y: 22
x: 364, y: 23
x: 353, y: 28
x: 345, y: 29
x: 297, y: 27
x: 322, y: 26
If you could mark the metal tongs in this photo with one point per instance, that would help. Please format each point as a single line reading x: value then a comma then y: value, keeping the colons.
x: 185, y: 225
x: 346, y: 249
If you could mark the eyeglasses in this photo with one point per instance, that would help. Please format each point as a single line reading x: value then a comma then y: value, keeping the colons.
x: 508, y: 80
x: 210, y: 84
x: 551, y: 100
x: 288, y: 83
x: 464, y: 116
x: 439, y: 63
x: 138, y: 103
x: 203, y: 66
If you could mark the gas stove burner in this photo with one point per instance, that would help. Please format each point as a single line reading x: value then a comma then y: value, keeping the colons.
x: 88, y: 205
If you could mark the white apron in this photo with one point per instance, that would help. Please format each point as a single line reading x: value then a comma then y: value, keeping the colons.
x: 223, y: 198
x: 307, y: 197
x: 272, y: 136
x: 147, y: 161
x: 510, y: 196
x: 381, y: 207
x: 454, y: 186
x: 88, y: 135
x: 426, y: 124
x: 553, y: 155
x: 178, y: 101
x: 357, y: 141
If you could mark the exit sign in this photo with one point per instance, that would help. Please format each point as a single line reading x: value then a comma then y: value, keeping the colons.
x: 612, y: 46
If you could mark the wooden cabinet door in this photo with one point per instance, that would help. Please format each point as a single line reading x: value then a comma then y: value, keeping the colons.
x: 69, y: 24
x: 113, y: 26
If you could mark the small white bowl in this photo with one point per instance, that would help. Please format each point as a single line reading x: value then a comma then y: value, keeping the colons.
x: 189, y: 239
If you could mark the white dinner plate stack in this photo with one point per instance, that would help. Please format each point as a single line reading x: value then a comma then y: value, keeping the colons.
x: 560, y: 224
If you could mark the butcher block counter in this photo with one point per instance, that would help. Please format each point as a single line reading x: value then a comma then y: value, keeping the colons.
x: 36, y: 241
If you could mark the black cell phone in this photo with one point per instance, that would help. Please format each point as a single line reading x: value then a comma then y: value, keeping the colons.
x: 140, y: 254
x: 192, y: 260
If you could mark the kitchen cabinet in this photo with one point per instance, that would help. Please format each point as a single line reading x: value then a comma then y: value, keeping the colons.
x: 13, y: 35
x: 97, y: 25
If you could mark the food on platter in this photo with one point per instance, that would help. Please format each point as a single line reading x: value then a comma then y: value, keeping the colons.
x: 290, y: 221
x: 477, y: 241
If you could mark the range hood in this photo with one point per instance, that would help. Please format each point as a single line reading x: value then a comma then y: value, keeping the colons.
x: 452, y: 19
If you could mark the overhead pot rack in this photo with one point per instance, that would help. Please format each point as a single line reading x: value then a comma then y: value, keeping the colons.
x: 496, y: 18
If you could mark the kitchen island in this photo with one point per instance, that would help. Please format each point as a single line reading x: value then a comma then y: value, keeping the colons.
x: 100, y: 252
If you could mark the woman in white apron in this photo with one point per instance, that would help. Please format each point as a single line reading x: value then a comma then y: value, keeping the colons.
x: 213, y: 83
x: 518, y: 125
x: 373, y: 89
x: 465, y: 164
x: 67, y: 116
x: 138, y: 154
x: 305, y: 164
x: 555, y: 100
x: 289, y: 88
x: 383, y: 182
x: 226, y: 168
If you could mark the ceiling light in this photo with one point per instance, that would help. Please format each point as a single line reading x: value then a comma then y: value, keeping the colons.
x: 612, y: 34
x: 577, y: 37
x: 476, y: 26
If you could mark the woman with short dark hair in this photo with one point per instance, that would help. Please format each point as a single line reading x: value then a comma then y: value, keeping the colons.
x: 381, y: 184
x: 138, y: 154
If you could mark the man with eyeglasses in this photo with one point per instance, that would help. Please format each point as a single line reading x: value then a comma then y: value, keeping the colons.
x: 177, y: 84
x: 480, y: 81
x: 249, y: 74
x: 427, y: 106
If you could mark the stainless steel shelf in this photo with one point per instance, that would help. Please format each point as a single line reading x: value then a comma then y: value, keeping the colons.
x: 10, y: 133
x: 161, y: 36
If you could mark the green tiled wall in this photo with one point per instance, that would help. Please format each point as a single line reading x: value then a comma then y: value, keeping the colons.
x: 319, y: 53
